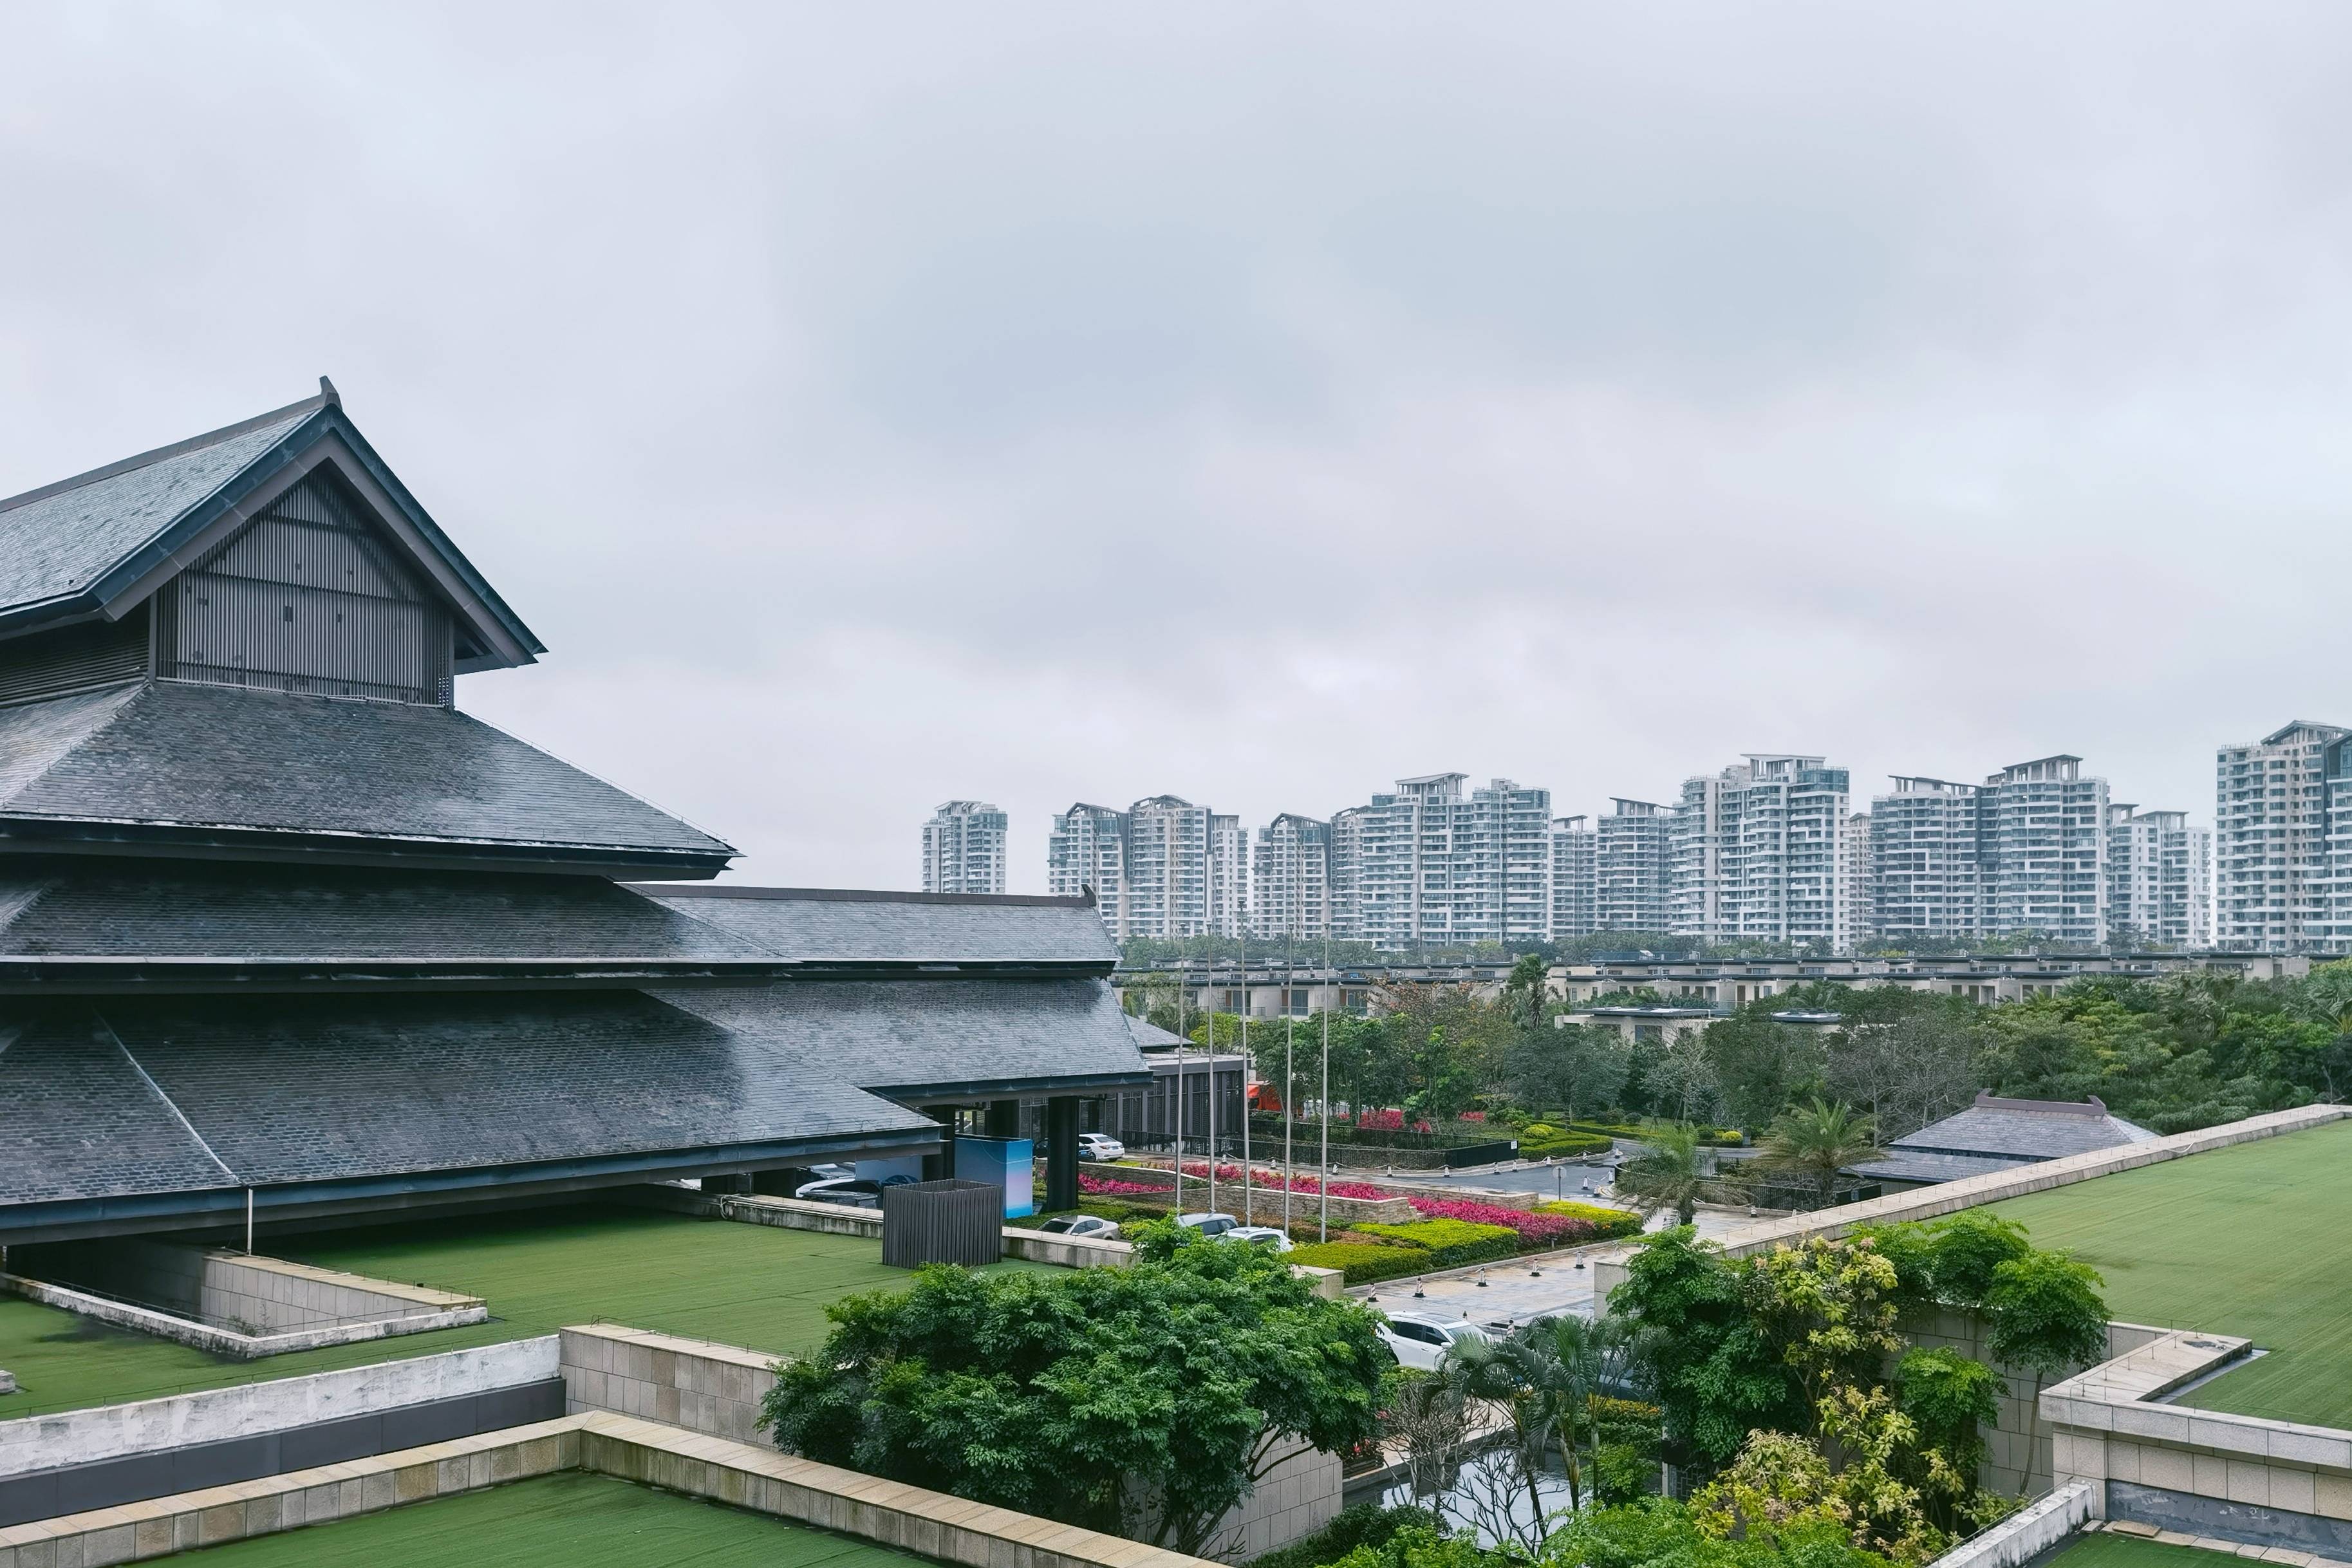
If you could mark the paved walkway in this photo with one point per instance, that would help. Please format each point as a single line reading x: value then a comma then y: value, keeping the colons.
x: 1520, y: 1292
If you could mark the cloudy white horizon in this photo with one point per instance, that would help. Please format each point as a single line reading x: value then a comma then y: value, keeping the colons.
x: 875, y: 406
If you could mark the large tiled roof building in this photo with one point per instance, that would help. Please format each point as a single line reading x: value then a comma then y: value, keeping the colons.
x: 283, y: 932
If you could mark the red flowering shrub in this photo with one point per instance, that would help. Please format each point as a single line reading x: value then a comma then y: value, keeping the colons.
x: 1381, y: 1120
x: 1536, y: 1231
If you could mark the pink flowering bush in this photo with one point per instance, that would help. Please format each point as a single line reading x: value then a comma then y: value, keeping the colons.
x: 1271, y: 1180
x: 1381, y: 1120
x: 1472, y: 1116
x: 1536, y: 1231
x: 1109, y: 1187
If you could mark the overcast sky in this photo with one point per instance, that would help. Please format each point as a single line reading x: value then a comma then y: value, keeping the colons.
x: 872, y: 406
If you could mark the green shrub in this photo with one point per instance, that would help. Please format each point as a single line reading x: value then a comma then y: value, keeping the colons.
x: 1544, y: 1141
x: 1612, y: 1222
x: 1450, y: 1243
x: 1711, y: 1137
x: 1362, y: 1262
x: 1366, y: 1524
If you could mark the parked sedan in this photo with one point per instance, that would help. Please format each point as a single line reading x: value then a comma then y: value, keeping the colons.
x: 1420, y: 1339
x: 1208, y: 1224
x: 1263, y: 1233
x: 851, y: 1192
x: 1101, y: 1146
x: 1080, y: 1225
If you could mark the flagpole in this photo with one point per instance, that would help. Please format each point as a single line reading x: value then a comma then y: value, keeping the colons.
x: 1323, y: 1161
x: 1242, y: 941
x: 1208, y: 1014
x: 1180, y: 1084
x: 1289, y: 1084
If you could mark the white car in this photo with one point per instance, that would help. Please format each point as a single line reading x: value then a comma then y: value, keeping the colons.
x: 1265, y: 1232
x: 1080, y: 1225
x: 851, y: 1192
x: 1208, y: 1224
x: 1421, y: 1340
x: 1101, y: 1146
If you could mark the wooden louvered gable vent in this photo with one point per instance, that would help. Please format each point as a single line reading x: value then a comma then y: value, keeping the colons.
x: 308, y: 597
x: 74, y: 658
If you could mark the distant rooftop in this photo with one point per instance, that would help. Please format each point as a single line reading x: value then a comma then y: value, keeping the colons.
x: 1995, y: 1134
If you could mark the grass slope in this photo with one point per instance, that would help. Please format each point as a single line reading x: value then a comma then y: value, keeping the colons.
x: 537, y: 1269
x: 2105, y: 1550
x: 2254, y: 1240
x: 558, y: 1521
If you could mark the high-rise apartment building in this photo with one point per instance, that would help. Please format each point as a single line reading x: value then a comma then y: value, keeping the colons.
x: 2275, y: 887
x: 1086, y: 851
x: 1228, y: 875
x: 1149, y: 866
x: 2160, y: 879
x: 1630, y: 867
x: 1290, y: 879
x: 1440, y: 865
x: 1348, y: 873
x: 1575, y: 850
x: 1857, y: 884
x: 963, y: 848
x: 1753, y: 853
x: 2042, y: 847
x: 1924, y: 871
x: 2333, y: 935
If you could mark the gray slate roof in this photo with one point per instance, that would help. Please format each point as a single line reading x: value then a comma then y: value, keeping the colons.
x: 356, y: 1088
x: 63, y: 539
x: 818, y: 925
x: 82, y: 1123
x: 158, y: 911
x: 172, y: 755
x: 1996, y: 1134
x: 920, y: 1037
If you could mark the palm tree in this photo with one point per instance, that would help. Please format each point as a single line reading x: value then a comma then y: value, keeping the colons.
x: 1817, y: 1142
x: 1670, y: 1174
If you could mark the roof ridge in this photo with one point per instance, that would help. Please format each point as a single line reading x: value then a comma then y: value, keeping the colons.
x: 664, y: 891
x: 131, y: 692
x: 177, y: 449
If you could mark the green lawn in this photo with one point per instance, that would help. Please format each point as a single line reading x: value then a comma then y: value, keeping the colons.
x: 537, y: 1269
x: 2254, y: 1240
x: 2107, y: 1550
x: 558, y: 1521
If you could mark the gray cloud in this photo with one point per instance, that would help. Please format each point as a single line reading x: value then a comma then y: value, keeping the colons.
x: 875, y: 407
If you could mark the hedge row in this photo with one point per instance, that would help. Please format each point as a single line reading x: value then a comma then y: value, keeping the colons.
x: 1542, y: 1141
x: 1609, y: 1223
x: 1450, y: 1243
x: 1713, y: 1137
x: 1363, y: 1262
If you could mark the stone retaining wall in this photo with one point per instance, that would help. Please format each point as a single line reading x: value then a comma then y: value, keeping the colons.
x: 230, y: 1342
x: 31, y: 1442
x: 908, y: 1519
x: 2027, y: 1533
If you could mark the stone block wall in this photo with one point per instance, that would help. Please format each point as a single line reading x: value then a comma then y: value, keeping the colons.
x: 707, y: 1388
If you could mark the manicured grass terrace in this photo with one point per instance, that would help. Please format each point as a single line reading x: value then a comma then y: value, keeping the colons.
x: 2107, y: 1550
x: 2254, y: 1240
x: 537, y: 1269
x: 557, y: 1521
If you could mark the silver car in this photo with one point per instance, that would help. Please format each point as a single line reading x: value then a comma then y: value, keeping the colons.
x: 1420, y: 1339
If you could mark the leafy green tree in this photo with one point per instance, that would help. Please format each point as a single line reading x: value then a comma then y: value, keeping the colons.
x: 1669, y: 1173
x: 1948, y: 1398
x: 1169, y: 1386
x: 1761, y: 1067
x: 2044, y: 1313
x: 1967, y: 1250
x: 1709, y: 1363
x: 1815, y: 1143
x: 1573, y: 1067
x: 1828, y: 1307
x: 1659, y: 1532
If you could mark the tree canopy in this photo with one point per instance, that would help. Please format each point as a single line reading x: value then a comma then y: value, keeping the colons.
x: 1146, y: 1400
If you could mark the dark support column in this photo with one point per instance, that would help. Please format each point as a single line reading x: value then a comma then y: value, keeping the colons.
x: 739, y: 1185
x: 940, y: 1167
x: 1062, y: 1152
x: 1004, y: 1119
